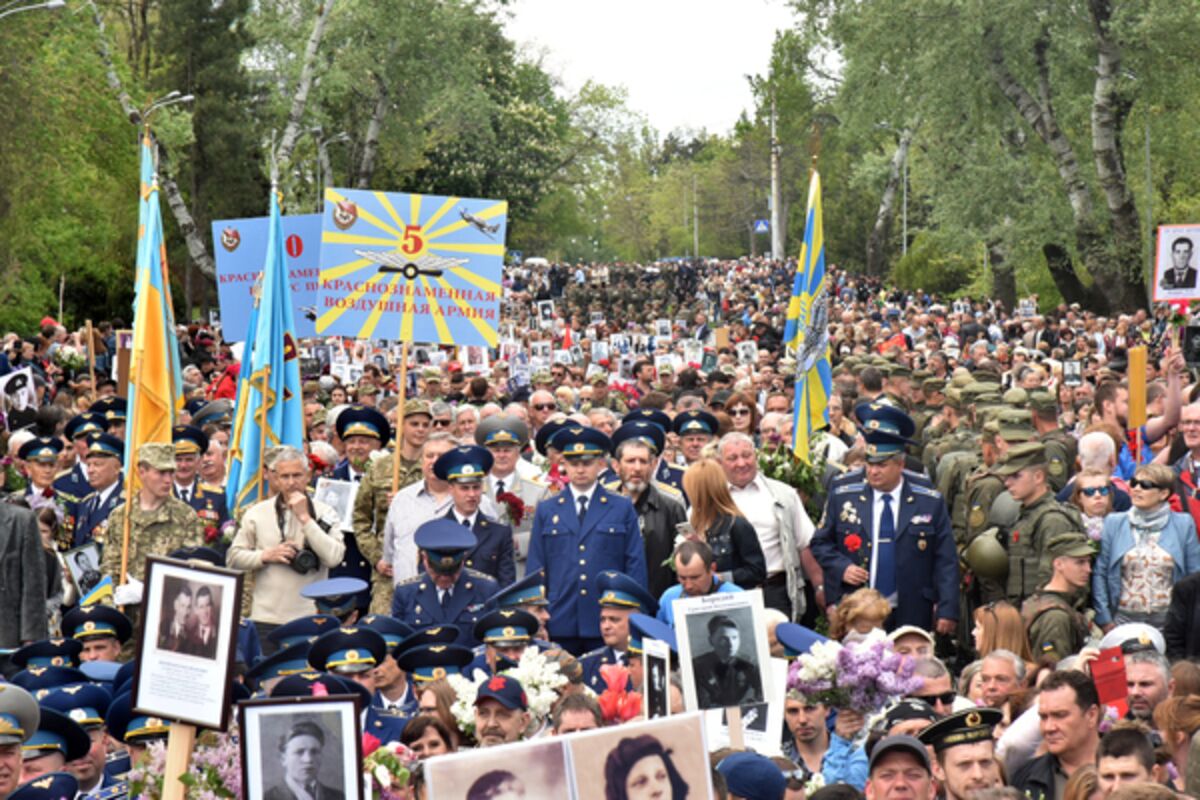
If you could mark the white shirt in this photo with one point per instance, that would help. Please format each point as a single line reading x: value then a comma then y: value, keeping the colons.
x: 877, y: 509
x: 757, y: 505
x: 576, y: 494
x: 460, y: 519
x: 411, y: 508
x: 107, y: 493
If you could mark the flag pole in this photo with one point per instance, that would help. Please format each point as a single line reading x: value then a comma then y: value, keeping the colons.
x: 262, y: 428
x: 91, y: 350
x: 402, y: 390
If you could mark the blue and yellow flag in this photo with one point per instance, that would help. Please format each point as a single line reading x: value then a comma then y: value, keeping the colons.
x: 154, y: 388
x: 807, y: 331
x: 269, y: 410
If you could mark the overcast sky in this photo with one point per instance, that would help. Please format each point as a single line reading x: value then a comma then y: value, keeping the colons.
x: 683, y: 62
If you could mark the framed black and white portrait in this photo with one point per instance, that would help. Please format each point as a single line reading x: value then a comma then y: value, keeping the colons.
x: 656, y: 678
x: 535, y: 768
x: 1072, y: 372
x: 1191, y: 345
x: 662, y: 329
x: 18, y: 398
x: 747, y: 352
x: 338, y: 495
x: 83, y: 567
x: 724, y: 655
x: 187, y: 642
x: 1175, y: 263
x: 301, y: 747
x: 545, y: 310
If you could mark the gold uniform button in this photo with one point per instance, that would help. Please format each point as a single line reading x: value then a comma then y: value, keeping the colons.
x: 583, y: 577
x: 582, y: 547
x: 582, y: 561
x: 583, y: 592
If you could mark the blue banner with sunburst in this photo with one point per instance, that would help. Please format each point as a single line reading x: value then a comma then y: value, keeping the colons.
x: 411, y: 267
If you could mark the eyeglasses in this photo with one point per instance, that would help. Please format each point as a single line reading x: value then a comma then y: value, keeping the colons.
x: 945, y: 698
x: 1138, y: 483
x: 740, y: 411
x: 544, y: 406
x: 441, y: 423
x: 1092, y: 491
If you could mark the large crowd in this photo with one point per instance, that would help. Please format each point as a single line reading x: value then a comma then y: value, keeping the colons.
x: 988, y: 499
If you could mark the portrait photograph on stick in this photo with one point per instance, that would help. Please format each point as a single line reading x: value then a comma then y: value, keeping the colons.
x: 187, y: 642
x: 723, y: 650
x: 1175, y: 263
x: 83, y: 565
x: 530, y: 769
x: 301, y: 747
x: 665, y: 758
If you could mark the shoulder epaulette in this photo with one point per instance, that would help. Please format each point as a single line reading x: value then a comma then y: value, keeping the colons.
x: 848, y: 488
x: 477, y: 574
x: 412, y: 580
x: 925, y: 490
x: 912, y: 473
x: 612, y: 485
x: 599, y: 651
x: 210, y: 487
x: 668, y: 490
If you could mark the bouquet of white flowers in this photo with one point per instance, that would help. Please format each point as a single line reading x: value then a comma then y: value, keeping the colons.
x: 539, y: 677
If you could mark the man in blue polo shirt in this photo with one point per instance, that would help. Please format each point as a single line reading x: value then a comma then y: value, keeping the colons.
x: 696, y: 570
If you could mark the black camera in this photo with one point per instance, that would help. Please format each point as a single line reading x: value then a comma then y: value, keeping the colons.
x: 305, y: 561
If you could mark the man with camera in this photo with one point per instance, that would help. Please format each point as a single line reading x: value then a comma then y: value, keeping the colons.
x: 288, y: 541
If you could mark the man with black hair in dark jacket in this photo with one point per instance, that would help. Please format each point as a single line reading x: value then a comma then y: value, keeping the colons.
x: 1183, y: 615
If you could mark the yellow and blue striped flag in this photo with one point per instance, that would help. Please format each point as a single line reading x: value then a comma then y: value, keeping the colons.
x: 154, y: 389
x: 269, y: 411
x: 100, y: 591
x: 807, y: 331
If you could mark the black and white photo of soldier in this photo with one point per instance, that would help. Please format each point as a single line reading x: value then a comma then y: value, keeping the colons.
x: 1181, y: 274
x: 724, y: 664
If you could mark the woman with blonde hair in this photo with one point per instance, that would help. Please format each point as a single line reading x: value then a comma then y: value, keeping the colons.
x: 435, y: 699
x: 998, y: 626
x: 1084, y: 784
x: 716, y: 519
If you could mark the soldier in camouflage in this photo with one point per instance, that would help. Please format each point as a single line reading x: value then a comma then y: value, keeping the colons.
x: 158, y: 522
x: 1053, y: 615
x: 602, y: 397
x: 1041, y: 519
x: 1061, y: 447
x: 375, y: 496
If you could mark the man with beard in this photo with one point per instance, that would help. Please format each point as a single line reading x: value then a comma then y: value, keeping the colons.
x: 501, y: 711
x: 636, y: 446
x: 1148, y: 679
x: 965, y: 751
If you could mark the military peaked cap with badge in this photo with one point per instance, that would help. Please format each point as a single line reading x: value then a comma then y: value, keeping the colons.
x: 528, y: 591
x: 652, y: 415
x: 964, y: 727
x: 434, y: 634
x: 85, y: 703
x: 90, y: 622
x: 618, y: 590
x: 391, y: 629
x: 445, y: 542
x: 430, y: 662
x: 57, y: 733
x: 114, y: 410
x: 348, y: 650
x: 303, y: 629
x: 506, y: 627
x: 546, y: 434
x: 49, y: 653
x: 363, y: 421
x: 304, y: 684
x: 1021, y: 456
x: 50, y: 786
x: 288, y: 660
x: 189, y: 440
x: 19, y: 714
x: 886, y: 429
x: 40, y: 448
x: 83, y: 424
x: 502, y: 429
x: 693, y: 422
x: 33, y: 679
x: 575, y: 441
x: 464, y: 464
x: 646, y: 432
x: 217, y: 412
x: 130, y: 727
x: 335, y: 596
x: 105, y: 444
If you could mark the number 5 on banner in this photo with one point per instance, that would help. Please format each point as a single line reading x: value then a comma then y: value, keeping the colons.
x: 413, y: 241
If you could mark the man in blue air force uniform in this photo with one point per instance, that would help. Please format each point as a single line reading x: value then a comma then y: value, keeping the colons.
x: 890, y: 533
x: 464, y: 469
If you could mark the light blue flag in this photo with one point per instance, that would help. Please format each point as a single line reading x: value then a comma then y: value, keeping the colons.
x: 269, y: 410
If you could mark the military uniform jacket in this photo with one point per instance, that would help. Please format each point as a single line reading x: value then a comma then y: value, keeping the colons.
x: 1029, y: 563
x: 384, y: 725
x: 926, y: 561
x: 169, y: 527
x: 415, y: 602
x: 493, y: 552
x: 592, y: 661
x: 574, y: 552
x: 92, y: 522
x: 371, y: 503
x: 208, y: 502
x: 672, y: 476
x: 70, y: 487
x: 1056, y: 627
x: 531, y: 493
x: 1061, y: 449
x: 720, y: 685
x: 983, y: 487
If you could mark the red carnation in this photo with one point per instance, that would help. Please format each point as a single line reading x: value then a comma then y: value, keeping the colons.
x: 853, y: 542
x: 211, y: 533
x: 516, y: 506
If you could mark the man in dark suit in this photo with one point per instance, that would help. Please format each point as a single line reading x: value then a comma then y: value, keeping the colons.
x: 300, y: 754
x: 173, y: 632
x: 464, y: 469
x: 579, y: 533
x: 873, y: 526
x: 104, y: 456
x: 447, y: 593
x: 1181, y: 275
x: 202, y: 637
x: 723, y: 678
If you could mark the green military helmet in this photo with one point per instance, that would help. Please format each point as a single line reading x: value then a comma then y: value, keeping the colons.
x: 1005, y: 511
x: 986, y: 557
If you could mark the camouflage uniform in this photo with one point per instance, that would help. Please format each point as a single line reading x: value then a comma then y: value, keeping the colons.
x: 1061, y: 449
x: 169, y: 527
x: 370, y: 513
x: 1030, y: 564
x: 1056, y: 625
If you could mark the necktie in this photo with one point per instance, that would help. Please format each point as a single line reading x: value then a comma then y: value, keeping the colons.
x: 499, y: 487
x: 885, y: 563
x: 466, y: 522
x: 445, y: 601
x: 183, y: 495
x: 582, y: 505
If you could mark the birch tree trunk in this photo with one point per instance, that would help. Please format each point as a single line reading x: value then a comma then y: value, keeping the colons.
x: 877, y: 241
x: 291, y: 132
x: 366, y: 166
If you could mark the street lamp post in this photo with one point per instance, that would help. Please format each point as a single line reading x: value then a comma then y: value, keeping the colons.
x: 14, y: 8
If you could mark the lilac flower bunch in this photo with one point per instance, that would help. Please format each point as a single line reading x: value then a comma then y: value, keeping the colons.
x: 215, y: 771
x: 863, y: 676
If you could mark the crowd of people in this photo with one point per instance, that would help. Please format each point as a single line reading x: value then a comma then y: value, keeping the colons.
x: 994, y: 490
